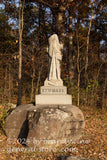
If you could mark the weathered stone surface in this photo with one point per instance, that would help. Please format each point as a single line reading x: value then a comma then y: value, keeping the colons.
x: 16, y: 120
x: 45, y: 125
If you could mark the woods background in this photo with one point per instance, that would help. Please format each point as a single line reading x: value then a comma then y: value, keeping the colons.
x: 25, y: 27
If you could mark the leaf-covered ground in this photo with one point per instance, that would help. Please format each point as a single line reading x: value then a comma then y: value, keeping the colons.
x: 92, y: 144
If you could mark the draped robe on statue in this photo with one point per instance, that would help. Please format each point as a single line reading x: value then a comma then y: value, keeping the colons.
x: 55, y: 59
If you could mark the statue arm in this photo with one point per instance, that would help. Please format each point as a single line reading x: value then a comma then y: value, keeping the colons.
x: 57, y: 50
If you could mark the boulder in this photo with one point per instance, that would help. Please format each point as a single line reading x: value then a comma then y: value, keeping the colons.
x: 45, y: 125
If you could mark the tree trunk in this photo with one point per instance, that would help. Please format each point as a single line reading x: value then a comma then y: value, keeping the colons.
x: 88, y: 36
x: 78, y: 69
x: 21, y: 8
x: 70, y: 50
x: 33, y: 77
x: 40, y: 19
x: 9, y: 82
x: 104, y: 98
x: 5, y: 86
x: 37, y: 86
x: 53, y: 21
x: 5, y: 81
x: 60, y: 22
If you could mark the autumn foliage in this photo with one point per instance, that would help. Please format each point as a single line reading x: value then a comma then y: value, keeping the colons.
x: 81, y: 27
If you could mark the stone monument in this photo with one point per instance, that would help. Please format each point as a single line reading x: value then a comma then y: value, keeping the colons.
x: 54, y: 121
x: 53, y: 91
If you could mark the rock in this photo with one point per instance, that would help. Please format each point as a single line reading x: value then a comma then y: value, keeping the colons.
x: 49, y: 125
x: 11, y: 105
x: 17, y: 119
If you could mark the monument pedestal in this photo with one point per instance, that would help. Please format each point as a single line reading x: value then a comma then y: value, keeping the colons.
x: 53, y: 99
x: 53, y: 95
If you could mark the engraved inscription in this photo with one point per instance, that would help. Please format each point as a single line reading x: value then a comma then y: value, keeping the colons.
x: 53, y: 90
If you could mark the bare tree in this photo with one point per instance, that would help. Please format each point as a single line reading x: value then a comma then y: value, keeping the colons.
x: 21, y: 9
x: 78, y: 68
x: 70, y: 48
x: 88, y: 35
x: 33, y: 77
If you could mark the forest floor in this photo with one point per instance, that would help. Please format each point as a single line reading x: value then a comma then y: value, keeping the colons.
x: 92, y: 145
